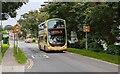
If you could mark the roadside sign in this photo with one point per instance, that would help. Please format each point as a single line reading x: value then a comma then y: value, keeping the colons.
x: 16, y: 29
x: 74, y: 37
x: 86, y: 28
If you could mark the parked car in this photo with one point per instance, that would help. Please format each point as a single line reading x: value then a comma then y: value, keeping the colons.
x: 28, y: 40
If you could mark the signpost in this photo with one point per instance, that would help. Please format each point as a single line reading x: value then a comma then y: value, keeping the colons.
x: 16, y: 30
x: 86, y: 29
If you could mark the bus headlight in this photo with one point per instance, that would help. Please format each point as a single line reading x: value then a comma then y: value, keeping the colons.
x: 65, y: 47
x: 49, y: 48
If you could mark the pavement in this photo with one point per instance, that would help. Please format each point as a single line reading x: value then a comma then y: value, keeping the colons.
x: 9, y: 64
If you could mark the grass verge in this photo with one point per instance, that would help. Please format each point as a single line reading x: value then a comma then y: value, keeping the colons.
x: 20, y: 56
x: 4, y: 48
x: 34, y: 43
x: 98, y: 55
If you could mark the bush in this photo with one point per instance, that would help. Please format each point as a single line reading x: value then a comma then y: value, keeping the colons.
x: 33, y: 40
x: 4, y: 32
x: 93, y: 46
x: 112, y: 49
x: 74, y: 45
x: 82, y: 43
x: 6, y: 40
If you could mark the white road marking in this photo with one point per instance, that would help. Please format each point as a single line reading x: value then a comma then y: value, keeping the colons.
x: 32, y: 56
x: 30, y: 64
x: 71, y: 53
x: 46, y: 56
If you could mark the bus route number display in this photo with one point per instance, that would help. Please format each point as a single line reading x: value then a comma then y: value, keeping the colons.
x: 57, y: 31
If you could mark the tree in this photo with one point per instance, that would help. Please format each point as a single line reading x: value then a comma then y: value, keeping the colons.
x: 31, y: 21
x: 100, y: 16
x: 11, y: 7
x: 71, y: 12
x: 8, y: 27
x: 104, y: 21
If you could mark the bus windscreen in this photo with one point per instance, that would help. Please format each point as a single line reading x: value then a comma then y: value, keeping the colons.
x: 56, y: 24
x: 56, y: 33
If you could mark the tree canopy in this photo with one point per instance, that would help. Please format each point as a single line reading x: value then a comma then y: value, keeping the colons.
x: 30, y: 21
x: 102, y: 17
x: 11, y: 7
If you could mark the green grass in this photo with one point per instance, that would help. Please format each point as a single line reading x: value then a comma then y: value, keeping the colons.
x: 4, y: 48
x: 97, y: 55
x: 4, y: 32
x: 21, y: 40
x: 34, y: 43
x: 20, y: 56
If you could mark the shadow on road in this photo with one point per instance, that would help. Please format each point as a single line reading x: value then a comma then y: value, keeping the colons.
x: 55, y: 51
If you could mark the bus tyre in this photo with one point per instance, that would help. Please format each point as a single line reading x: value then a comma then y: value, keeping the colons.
x: 61, y: 51
x: 45, y: 48
x: 40, y: 47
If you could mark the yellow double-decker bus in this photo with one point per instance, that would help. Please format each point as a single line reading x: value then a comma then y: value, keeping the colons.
x: 52, y: 35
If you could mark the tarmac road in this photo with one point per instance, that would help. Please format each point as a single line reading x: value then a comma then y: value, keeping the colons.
x: 39, y: 61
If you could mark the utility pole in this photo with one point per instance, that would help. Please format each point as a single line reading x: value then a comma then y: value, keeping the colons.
x: 17, y: 41
x: 86, y: 46
x: 0, y: 27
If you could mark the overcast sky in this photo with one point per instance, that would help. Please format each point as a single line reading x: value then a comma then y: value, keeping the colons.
x: 31, y: 5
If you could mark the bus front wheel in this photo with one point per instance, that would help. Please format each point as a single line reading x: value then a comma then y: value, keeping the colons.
x: 45, y: 48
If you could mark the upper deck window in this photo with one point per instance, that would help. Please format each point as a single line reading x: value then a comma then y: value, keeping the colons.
x: 56, y: 24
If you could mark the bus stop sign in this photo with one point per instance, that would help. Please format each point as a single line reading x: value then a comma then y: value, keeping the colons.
x: 86, y: 28
x: 16, y: 29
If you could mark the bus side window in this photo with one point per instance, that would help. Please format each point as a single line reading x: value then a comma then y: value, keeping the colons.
x: 45, y: 38
x: 44, y: 26
x: 41, y: 27
x: 41, y: 38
